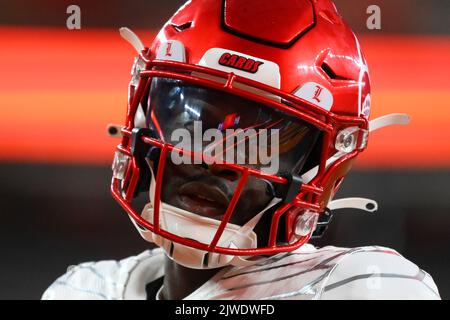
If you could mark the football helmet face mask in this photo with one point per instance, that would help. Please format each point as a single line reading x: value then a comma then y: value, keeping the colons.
x: 212, y: 64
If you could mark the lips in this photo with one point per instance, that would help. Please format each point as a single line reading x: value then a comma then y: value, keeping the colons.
x: 204, y: 199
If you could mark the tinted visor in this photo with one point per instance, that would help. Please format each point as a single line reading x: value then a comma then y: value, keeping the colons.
x: 228, y: 127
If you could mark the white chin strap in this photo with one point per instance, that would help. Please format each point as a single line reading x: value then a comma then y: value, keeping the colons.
x: 363, y: 204
x: 394, y: 119
x: 132, y: 39
x: 192, y: 226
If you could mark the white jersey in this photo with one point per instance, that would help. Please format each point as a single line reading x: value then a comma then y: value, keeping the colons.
x: 308, y: 273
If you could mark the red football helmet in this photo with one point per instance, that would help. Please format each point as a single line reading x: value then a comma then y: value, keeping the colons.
x: 296, y: 64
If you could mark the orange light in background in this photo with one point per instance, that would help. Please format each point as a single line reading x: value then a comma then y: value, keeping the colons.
x: 60, y: 88
x: 409, y: 75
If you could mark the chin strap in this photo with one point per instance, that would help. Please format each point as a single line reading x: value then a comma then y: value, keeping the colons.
x: 394, y: 119
x: 115, y: 130
x: 363, y: 204
x: 132, y: 39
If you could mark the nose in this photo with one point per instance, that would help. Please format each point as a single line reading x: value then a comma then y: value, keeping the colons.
x: 222, y: 172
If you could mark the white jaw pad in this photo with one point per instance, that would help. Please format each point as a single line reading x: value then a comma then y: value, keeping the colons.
x: 192, y: 226
x: 132, y: 39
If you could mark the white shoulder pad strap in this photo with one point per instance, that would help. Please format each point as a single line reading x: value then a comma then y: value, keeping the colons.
x: 394, y: 119
x: 132, y: 39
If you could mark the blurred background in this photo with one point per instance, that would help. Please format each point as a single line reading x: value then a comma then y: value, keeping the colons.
x: 60, y: 88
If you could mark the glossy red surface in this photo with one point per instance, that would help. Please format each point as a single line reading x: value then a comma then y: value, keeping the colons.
x: 330, y: 40
x: 256, y: 19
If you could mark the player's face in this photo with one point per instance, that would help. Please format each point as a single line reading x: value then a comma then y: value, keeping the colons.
x: 207, y: 191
